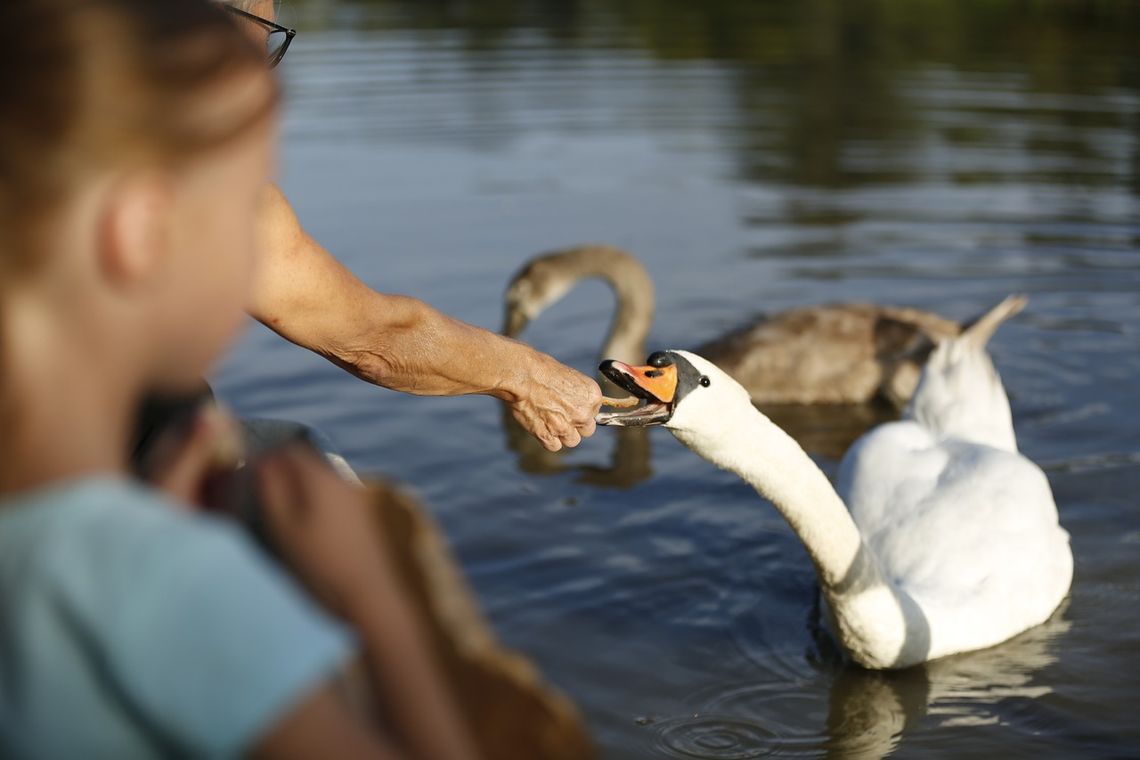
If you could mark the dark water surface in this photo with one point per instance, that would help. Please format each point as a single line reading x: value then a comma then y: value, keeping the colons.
x: 755, y: 157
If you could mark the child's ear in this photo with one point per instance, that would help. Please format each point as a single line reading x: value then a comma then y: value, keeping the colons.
x: 134, y: 229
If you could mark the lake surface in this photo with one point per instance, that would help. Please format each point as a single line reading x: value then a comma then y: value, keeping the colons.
x: 755, y: 157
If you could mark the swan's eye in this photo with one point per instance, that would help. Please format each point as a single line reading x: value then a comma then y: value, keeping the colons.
x: 704, y: 381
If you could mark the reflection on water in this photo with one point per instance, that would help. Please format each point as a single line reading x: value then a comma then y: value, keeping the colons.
x: 756, y: 156
x: 627, y: 464
x: 825, y: 430
x: 843, y: 711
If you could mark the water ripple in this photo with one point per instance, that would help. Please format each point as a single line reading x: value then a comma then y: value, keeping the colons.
x: 717, y: 737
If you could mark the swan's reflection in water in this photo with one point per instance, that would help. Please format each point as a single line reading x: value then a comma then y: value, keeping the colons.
x: 628, y: 462
x: 823, y: 430
x: 860, y: 714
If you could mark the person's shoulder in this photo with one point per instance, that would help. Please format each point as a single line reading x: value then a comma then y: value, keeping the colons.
x: 95, y: 503
x: 177, y: 611
x: 95, y: 514
x: 96, y: 499
x: 91, y: 537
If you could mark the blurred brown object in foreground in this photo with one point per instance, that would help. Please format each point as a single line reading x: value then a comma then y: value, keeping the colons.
x: 511, y: 712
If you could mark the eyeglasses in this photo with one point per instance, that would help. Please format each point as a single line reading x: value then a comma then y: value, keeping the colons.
x: 279, y: 36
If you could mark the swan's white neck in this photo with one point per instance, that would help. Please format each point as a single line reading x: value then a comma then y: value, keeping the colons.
x: 868, y: 615
x: 753, y: 447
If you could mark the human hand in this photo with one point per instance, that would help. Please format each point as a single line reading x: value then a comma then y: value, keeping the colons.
x: 191, y: 462
x: 322, y: 527
x: 556, y: 404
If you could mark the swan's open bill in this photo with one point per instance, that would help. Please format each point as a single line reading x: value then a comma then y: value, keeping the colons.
x: 652, y: 389
x: 658, y: 385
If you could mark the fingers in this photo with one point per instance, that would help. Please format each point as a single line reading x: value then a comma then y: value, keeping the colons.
x: 321, y: 525
x: 295, y: 480
x: 285, y: 483
x: 277, y: 493
x: 281, y: 501
x: 562, y: 434
x: 577, y: 423
x: 570, y: 438
x: 289, y: 477
x: 558, y: 405
x: 549, y: 440
x: 559, y: 424
x: 183, y: 464
x: 551, y: 427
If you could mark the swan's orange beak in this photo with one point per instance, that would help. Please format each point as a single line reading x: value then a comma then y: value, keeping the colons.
x: 657, y: 386
x: 651, y: 383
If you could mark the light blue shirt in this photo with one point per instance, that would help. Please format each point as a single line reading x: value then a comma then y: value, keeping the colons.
x: 132, y: 628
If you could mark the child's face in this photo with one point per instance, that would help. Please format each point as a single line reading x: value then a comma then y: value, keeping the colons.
x: 213, y: 242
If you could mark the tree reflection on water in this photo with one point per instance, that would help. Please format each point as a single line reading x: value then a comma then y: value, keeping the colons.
x: 814, y: 81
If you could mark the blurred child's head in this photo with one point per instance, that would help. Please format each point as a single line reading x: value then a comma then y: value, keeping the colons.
x: 135, y: 142
x: 264, y: 8
x: 255, y: 17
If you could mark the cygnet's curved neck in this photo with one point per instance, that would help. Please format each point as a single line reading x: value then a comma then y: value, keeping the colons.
x: 633, y: 290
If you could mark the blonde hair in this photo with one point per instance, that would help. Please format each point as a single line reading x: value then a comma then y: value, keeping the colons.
x: 94, y: 84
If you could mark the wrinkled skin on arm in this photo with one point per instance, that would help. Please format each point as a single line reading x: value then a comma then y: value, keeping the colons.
x: 305, y: 295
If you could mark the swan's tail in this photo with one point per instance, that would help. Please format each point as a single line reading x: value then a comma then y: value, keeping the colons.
x: 978, y: 331
x: 960, y: 393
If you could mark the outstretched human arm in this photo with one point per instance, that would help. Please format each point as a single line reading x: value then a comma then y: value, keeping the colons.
x: 308, y: 297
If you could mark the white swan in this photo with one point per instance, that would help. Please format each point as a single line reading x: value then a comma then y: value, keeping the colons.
x: 952, y: 541
x: 824, y: 354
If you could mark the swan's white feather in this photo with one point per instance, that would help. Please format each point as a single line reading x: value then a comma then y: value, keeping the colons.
x: 968, y: 531
x: 960, y: 395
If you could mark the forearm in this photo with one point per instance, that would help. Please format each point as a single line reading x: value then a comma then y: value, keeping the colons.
x: 406, y: 681
x: 304, y: 294
x: 404, y: 344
